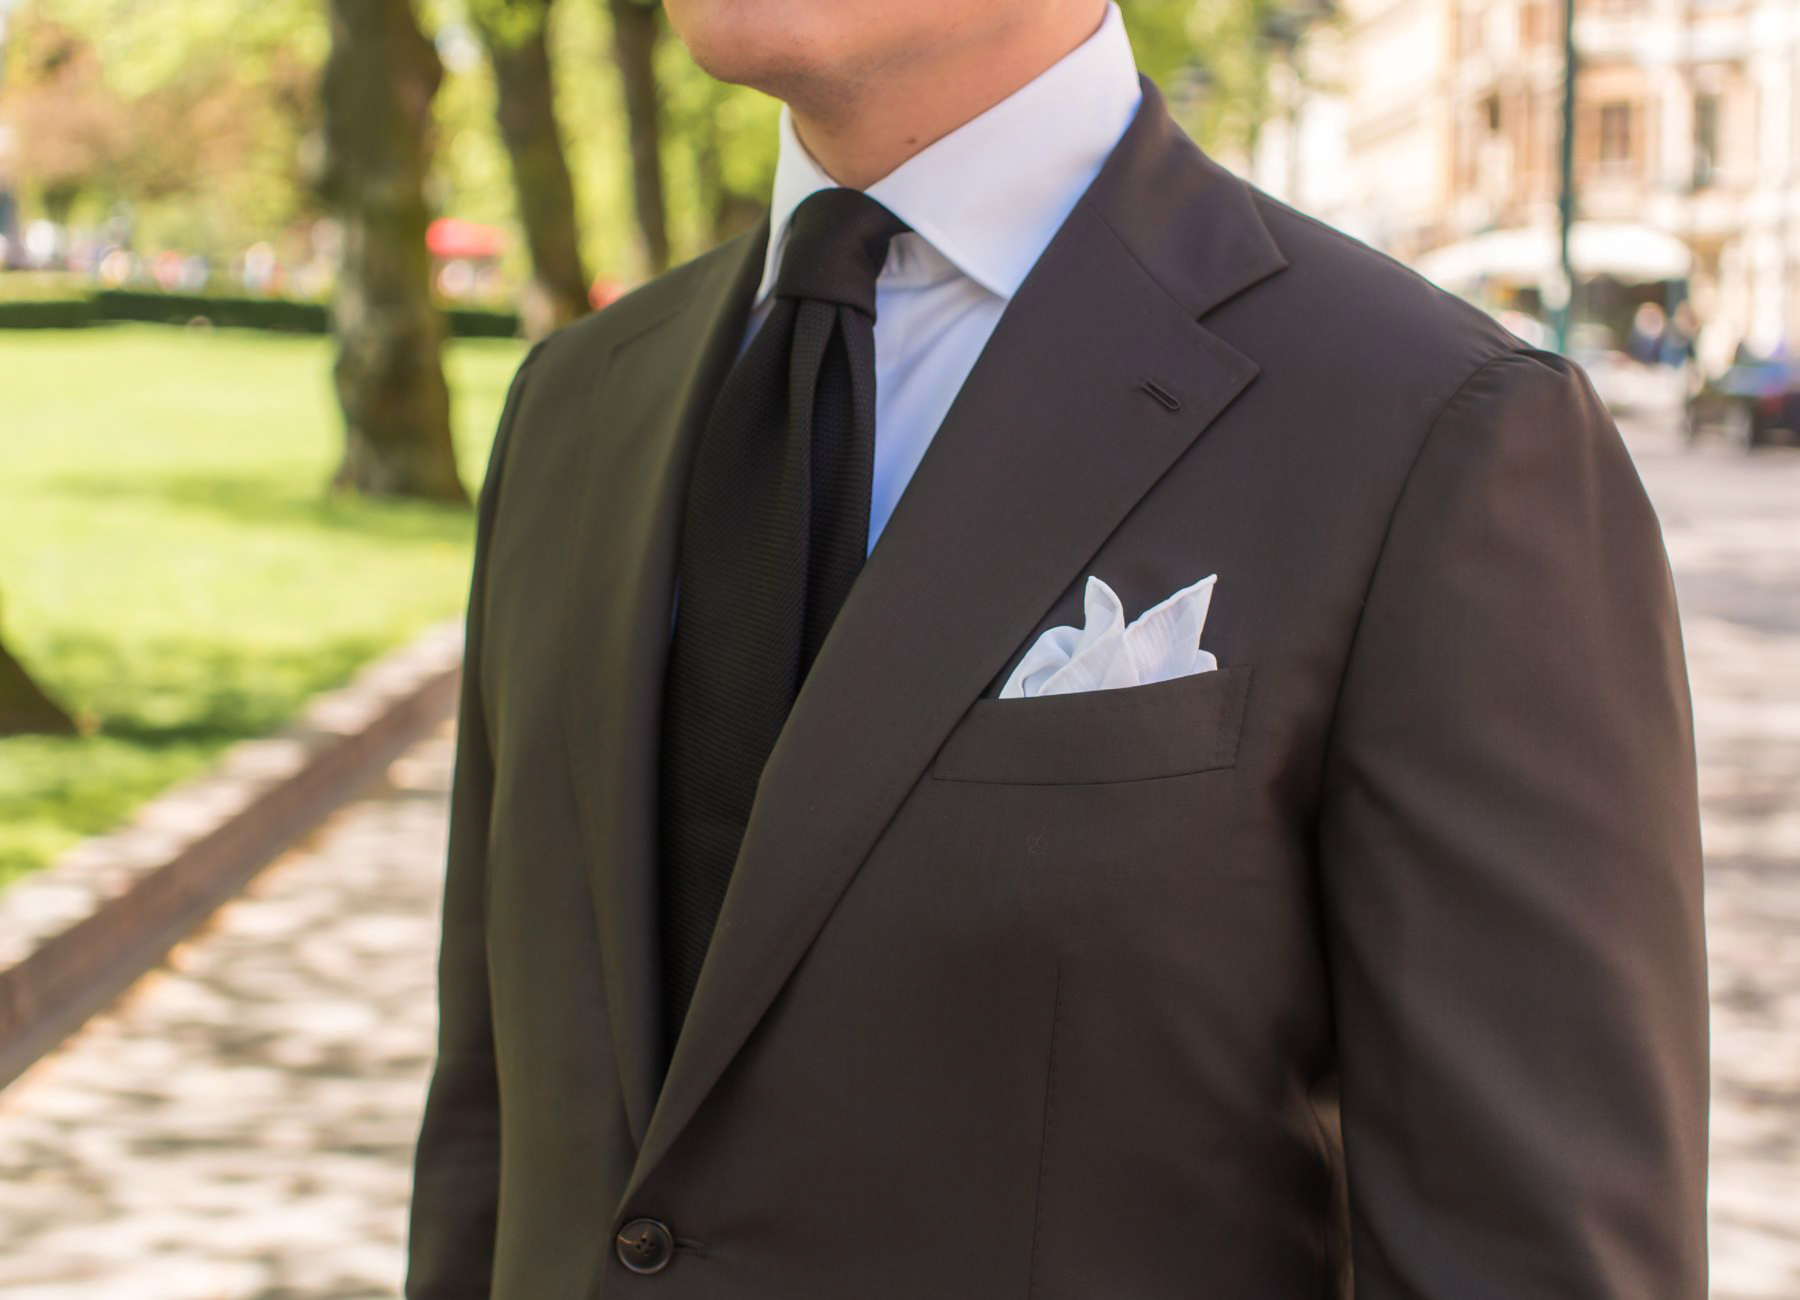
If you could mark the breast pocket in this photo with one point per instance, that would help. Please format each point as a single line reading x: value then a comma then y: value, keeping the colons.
x: 1132, y: 733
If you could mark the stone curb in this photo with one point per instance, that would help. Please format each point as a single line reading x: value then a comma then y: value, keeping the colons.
x: 77, y: 934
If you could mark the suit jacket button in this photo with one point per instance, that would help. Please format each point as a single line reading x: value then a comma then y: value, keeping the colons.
x: 645, y: 1246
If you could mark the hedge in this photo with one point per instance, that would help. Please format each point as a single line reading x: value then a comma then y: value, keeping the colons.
x: 46, y: 313
x: 287, y: 314
x: 182, y: 308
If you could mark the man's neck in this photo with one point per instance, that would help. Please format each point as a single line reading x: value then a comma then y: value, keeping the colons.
x: 861, y: 136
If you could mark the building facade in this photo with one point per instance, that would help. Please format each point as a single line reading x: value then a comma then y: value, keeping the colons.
x: 1432, y: 128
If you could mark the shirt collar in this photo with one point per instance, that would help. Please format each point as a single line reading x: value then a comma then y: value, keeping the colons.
x: 990, y: 195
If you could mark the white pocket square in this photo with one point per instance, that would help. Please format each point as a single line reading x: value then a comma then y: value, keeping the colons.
x: 1161, y: 643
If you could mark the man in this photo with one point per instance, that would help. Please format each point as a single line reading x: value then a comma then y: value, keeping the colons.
x: 876, y: 872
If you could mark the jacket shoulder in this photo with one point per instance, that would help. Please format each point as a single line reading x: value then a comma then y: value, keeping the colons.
x: 588, y: 340
x: 559, y: 380
x: 1428, y: 329
x: 1362, y: 363
x: 1393, y: 306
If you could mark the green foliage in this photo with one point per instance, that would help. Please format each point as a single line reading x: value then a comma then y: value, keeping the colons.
x: 509, y: 22
x: 718, y: 153
x: 194, y: 113
x: 204, y: 114
x: 1213, y: 58
x: 146, y: 45
x: 71, y: 129
x: 701, y: 117
x: 174, y: 571
x: 471, y: 177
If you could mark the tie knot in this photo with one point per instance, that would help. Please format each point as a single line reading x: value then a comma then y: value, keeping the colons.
x: 836, y: 244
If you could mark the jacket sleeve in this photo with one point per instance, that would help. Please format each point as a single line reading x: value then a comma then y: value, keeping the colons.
x: 1509, y: 851
x: 456, y: 1166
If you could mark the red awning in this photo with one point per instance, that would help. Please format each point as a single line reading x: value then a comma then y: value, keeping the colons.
x: 454, y: 237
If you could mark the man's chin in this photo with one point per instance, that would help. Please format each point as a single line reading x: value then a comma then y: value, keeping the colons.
x: 780, y: 73
x: 773, y: 66
x: 768, y: 47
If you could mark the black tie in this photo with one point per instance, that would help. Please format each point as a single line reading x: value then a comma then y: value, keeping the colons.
x: 774, y: 532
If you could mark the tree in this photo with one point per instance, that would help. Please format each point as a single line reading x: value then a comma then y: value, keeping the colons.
x: 71, y: 130
x: 379, y: 81
x: 1215, y: 59
x: 180, y: 123
x: 515, y: 33
x: 25, y: 710
x: 637, y: 29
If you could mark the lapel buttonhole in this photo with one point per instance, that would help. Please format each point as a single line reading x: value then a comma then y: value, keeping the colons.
x: 1161, y: 394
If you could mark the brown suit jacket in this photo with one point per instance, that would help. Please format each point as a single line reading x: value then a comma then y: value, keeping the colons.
x: 1059, y: 998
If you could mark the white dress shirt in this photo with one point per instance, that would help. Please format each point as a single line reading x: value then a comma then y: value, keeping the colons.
x: 983, y: 203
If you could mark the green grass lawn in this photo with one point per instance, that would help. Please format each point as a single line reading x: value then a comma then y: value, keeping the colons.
x: 172, y: 568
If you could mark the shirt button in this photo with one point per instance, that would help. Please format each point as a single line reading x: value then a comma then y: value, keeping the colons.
x: 645, y: 1246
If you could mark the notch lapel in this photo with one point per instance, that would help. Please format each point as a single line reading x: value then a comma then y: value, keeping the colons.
x: 619, y: 584
x: 1048, y: 446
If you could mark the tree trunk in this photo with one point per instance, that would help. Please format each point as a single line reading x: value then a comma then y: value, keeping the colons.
x: 515, y: 34
x: 379, y: 81
x: 24, y: 708
x: 636, y: 28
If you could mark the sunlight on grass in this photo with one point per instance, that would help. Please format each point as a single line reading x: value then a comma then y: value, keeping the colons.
x: 172, y: 567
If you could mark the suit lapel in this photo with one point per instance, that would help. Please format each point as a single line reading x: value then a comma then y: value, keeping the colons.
x: 1052, y: 440
x: 655, y: 389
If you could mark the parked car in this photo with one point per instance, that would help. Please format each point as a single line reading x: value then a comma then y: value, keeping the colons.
x: 1753, y: 404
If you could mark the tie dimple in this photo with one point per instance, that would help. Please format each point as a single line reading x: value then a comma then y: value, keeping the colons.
x: 837, y: 241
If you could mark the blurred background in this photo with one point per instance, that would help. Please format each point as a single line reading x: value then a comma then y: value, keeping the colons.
x: 265, y: 271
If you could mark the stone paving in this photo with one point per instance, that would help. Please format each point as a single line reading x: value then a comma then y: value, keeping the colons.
x: 239, y: 1126
x: 1732, y: 526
